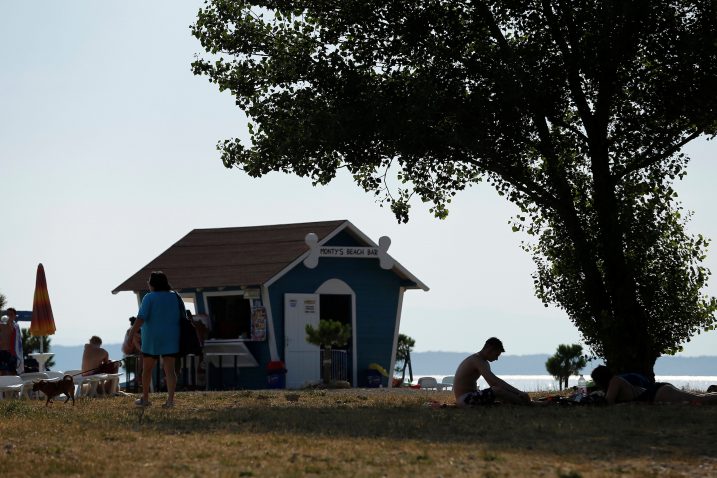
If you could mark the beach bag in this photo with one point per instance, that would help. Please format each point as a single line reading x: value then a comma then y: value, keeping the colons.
x: 107, y: 367
x: 188, y: 339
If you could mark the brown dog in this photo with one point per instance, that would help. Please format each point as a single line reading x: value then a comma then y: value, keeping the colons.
x: 53, y: 389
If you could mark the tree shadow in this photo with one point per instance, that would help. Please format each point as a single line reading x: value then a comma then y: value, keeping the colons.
x: 630, y: 431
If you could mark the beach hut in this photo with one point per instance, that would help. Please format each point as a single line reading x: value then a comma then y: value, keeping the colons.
x: 258, y: 287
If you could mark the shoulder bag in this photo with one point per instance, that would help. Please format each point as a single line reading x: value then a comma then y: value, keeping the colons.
x: 188, y: 339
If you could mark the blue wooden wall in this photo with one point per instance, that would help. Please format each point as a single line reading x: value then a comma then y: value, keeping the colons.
x: 376, y: 290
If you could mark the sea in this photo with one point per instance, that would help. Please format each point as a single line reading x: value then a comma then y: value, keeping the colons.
x: 546, y: 383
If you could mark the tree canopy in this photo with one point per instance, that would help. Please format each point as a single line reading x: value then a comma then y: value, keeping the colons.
x: 576, y: 111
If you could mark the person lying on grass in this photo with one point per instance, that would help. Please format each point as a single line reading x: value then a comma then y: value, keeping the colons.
x: 633, y: 387
x: 465, y: 383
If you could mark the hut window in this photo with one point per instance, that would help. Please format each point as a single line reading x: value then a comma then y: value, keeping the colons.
x: 231, y: 317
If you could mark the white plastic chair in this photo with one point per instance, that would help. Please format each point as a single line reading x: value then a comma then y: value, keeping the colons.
x: 429, y: 383
x: 115, y: 379
x: 53, y: 375
x: 92, y: 381
x: 11, y: 384
x: 447, y: 382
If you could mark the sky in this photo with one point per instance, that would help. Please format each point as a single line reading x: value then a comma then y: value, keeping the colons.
x: 108, y: 156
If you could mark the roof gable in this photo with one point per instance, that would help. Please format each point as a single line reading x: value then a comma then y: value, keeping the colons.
x: 347, y: 229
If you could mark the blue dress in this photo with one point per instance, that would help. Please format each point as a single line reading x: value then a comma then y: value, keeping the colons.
x: 160, y: 330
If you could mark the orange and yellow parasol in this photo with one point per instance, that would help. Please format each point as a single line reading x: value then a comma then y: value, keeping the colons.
x: 43, y: 322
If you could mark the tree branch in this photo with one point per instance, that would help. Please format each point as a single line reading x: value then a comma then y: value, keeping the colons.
x: 574, y: 81
x: 593, y: 286
x: 645, y: 161
x: 558, y: 122
x: 520, y: 179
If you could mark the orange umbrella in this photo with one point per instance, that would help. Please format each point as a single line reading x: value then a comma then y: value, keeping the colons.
x: 43, y: 323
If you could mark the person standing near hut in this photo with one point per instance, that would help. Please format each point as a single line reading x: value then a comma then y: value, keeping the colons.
x: 11, y: 357
x: 158, y: 320
x: 133, y: 356
x: 8, y: 359
x: 12, y: 314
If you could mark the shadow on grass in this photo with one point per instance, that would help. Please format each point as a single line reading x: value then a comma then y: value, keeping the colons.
x: 599, y: 433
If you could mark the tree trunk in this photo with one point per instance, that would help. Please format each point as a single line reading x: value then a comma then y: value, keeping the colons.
x: 628, y: 343
x: 410, y: 368
x: 618, y: 320
x: 610, y: 288
x: 326, y: 364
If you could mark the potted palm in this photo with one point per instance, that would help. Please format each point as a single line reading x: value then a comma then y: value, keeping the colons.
x: 328, y: 334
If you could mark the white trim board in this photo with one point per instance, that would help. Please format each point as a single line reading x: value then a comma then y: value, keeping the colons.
x: 395, y: 335
x: 363, y: 237
x: 339, y: 287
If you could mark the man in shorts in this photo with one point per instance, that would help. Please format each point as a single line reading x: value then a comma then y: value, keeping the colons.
x: 465, y: 383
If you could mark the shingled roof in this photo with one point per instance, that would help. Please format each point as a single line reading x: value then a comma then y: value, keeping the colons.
x: 232, y: 256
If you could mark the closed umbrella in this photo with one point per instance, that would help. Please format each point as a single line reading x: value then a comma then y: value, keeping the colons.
x: 43, y: 322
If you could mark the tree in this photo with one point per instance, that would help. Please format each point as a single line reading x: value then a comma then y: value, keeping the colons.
x: 31, y: 343
x: 3, y: 302
x: 329, y: 333
x: 577, y: 112
x: 568, y: 360
x: 403, y: 354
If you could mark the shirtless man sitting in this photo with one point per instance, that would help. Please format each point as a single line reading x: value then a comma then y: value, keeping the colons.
x: 94, y: 356
x: 465, y: 383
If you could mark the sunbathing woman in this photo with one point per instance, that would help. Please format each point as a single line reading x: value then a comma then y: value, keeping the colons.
x: 632, y: 387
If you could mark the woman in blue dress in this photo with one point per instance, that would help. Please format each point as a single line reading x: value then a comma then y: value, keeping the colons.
x: 158, y: 318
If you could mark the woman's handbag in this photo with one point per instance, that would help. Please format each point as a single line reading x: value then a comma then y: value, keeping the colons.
x: 188, y: 339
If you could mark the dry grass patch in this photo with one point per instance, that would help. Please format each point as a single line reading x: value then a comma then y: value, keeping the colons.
x: 351, y: 433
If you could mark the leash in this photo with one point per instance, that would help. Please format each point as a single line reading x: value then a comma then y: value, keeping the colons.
x: 93, y: 369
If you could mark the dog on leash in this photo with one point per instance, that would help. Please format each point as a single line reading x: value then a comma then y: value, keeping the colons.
x: 53, y: 389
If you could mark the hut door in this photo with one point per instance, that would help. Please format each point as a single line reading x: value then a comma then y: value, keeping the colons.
x: 302, y: 358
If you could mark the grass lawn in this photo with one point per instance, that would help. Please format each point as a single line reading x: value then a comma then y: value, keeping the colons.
x: 351, y: 433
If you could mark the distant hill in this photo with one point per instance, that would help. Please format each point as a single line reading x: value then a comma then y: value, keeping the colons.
x: 445, y: 363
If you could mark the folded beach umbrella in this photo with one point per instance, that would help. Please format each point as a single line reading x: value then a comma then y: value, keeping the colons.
x: 43, y: 322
